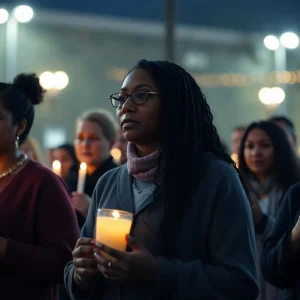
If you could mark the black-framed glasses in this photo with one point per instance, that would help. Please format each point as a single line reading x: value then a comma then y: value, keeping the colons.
x: 139, y: 97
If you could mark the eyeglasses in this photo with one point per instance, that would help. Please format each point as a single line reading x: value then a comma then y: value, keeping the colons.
x: 138, y: 97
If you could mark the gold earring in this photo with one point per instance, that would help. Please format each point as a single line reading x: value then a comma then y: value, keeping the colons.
x: 17, y: 142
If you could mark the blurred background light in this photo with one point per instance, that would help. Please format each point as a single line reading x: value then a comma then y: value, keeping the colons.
x: 271, y: 96
x: 289, y: 40
x: 58, y: 80
x: 23, y: 13
x: 4, y: 15
x: 271, y: 42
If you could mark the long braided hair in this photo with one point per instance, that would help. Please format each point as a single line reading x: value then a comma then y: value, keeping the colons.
x: 186, y: 132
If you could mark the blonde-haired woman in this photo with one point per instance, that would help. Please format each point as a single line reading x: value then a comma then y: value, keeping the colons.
x: 94, y: 139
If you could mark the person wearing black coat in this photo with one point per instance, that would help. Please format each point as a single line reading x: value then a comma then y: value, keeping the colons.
x: 280, y: 259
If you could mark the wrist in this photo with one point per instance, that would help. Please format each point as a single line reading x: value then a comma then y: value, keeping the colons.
x: 79, y: 280
x: 80, y: 284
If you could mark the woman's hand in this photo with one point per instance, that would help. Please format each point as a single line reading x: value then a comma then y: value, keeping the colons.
x: 295, y: 237
x: 83, y: 259
x: 81, y: 203
x: 137, y: 265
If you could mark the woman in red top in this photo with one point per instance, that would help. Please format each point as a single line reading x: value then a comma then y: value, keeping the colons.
x: 38, y: 227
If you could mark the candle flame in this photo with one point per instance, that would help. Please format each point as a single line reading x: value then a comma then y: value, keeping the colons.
x: 116, y: 214
x: 56, y: 165
x: 116, y: 153
x: 83, y: 166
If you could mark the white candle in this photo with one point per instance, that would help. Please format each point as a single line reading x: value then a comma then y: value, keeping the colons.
x: 56, y: 167
x: 81, y: 177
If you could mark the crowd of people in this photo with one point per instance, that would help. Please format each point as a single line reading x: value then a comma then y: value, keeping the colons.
x: 207, y: 224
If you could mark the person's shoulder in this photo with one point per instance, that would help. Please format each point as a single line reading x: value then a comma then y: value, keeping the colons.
x: 218, y: 168
x: 108, y: 180
x: 113, y: 173
x: 294, y: 194
x: 291, y: 203
x: 40, y: 172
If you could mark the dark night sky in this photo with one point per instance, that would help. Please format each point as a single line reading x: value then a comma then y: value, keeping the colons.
x: 252, y: 15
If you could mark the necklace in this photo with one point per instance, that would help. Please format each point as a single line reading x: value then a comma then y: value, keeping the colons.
x: 23, y: 158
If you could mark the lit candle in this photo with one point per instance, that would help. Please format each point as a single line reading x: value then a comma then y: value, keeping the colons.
x: 112, y: 226
x: 56, y: 167
x: 81, y: 177
x: 116, y: 154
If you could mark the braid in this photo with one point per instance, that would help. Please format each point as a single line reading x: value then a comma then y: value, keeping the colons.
x: 182, y: 142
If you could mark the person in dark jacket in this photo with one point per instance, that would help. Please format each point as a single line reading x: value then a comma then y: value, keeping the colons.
x: 280, y: 259
x: 192, y: 235
x: 268, y: 165
x: 95, y: 137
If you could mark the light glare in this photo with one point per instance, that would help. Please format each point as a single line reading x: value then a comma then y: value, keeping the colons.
x: 47, y: 80
x: 271, y: 96
x: 289, y: 40
x: 4, y: 15
x: 58, y: 80
x: 61, y: 80
x: 23, y: 13
x: 271, y: 42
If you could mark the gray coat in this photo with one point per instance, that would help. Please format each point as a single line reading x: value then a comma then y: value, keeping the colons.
x: 215, y: 253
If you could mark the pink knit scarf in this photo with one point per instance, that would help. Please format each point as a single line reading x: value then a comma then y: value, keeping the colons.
x: 141, y: 168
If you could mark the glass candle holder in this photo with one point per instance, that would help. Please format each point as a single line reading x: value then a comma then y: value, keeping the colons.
x: 112, y: 226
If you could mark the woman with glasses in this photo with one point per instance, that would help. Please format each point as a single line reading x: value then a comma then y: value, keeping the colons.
x: 192, y: 235
x: 95, y: 137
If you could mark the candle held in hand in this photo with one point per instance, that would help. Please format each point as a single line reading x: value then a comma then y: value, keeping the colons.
x: 56, y: 167
x: 112, y: 226
x: 81, y: 178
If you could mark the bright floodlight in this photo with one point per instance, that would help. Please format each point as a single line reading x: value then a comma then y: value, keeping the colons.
x: 278, y: 95
x: 61, y: 80
x: 271, y: 96
x: 289, y: 40
x: 264, y: 94
x: 271, y: 42
x: 23, y: 13
x: 4, y: 15
x: 47, y: 80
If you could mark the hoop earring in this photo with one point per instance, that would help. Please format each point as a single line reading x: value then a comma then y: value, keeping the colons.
x: 17, y: 142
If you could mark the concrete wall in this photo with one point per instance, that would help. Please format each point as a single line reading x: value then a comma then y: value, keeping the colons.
x: 89, y: 57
